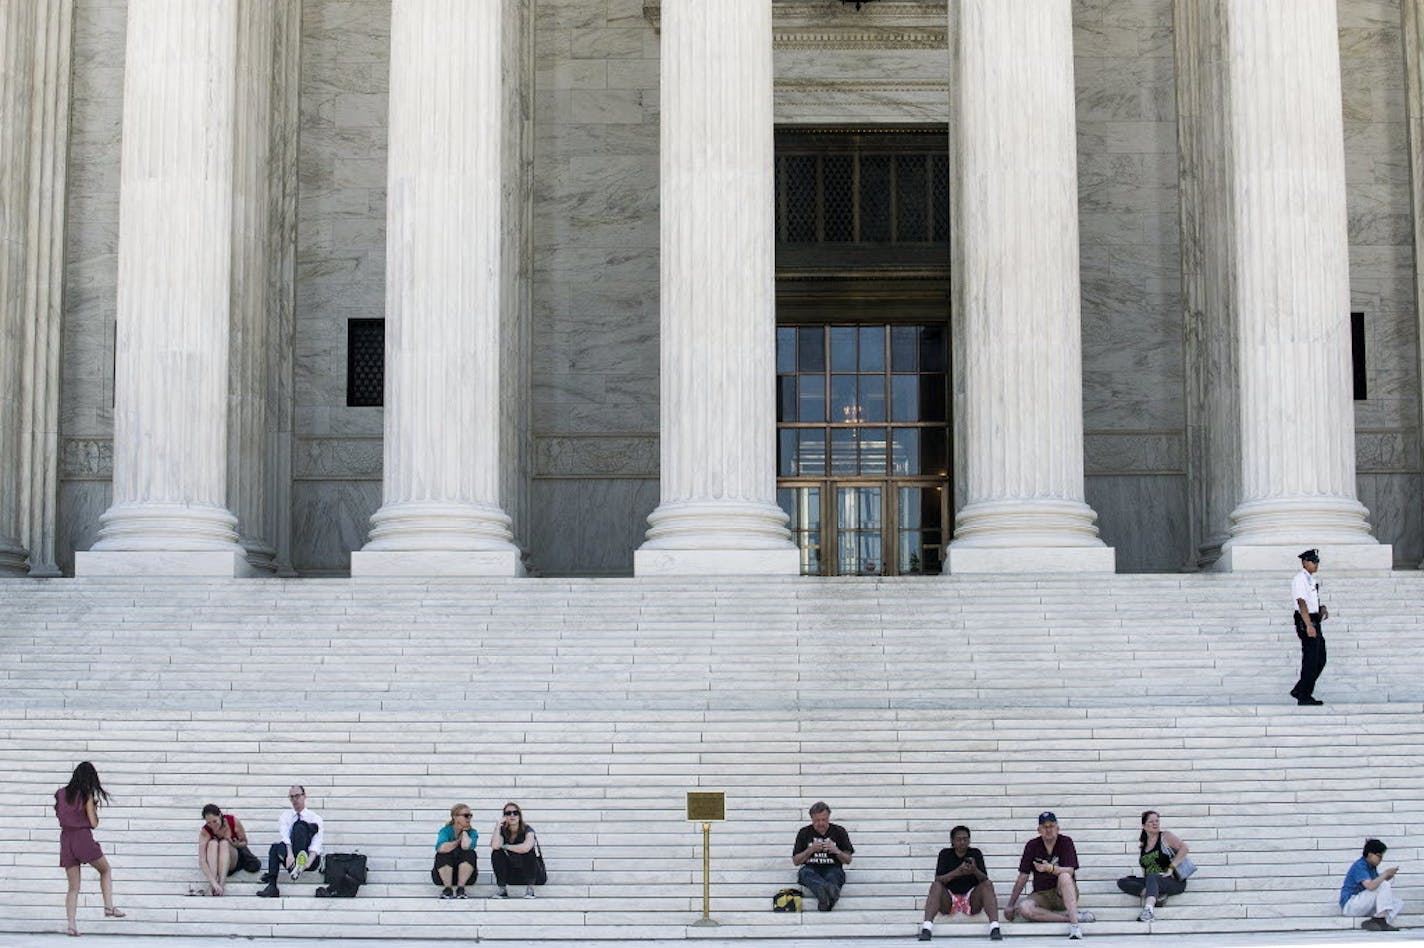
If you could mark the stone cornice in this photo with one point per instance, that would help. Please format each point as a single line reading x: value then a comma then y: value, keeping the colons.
x: 832, y: 25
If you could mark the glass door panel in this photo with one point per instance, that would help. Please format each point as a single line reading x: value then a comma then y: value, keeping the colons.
x: 802, y: 505
x: 919, y: 529
x: 859, y: 518
x: 863, y: 446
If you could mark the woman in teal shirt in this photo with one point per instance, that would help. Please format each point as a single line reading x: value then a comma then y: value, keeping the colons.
x: 457, y: 863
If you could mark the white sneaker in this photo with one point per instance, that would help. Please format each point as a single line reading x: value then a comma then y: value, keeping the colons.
x: 1086, y: 917
x: 1074, y: 932
x: 1145, y: 915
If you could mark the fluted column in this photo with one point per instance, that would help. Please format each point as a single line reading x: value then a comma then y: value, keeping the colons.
x: 717, y: 511
x: 17, y: 35
x: 1292, y: 290
x: 169, y: 511
x: 1412, y: 21
x: 441, y: 512
x: 1019, y: 347
x: 1212, y: 405
x: 264, y: 181
x: 44, y: 276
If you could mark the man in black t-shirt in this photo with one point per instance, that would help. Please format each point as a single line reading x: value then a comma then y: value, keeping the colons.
x: 961, y: 884
x: 822, y: 851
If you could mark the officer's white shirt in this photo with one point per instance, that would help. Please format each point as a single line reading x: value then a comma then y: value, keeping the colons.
x: 1303, y: 587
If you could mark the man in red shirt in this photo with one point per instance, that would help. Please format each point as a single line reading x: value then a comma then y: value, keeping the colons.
x: 1052, y: 861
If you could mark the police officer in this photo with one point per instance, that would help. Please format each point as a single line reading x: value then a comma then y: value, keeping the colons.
x: 1308, y: 615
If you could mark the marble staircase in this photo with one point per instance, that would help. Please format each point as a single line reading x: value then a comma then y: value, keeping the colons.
x: 909, y: 705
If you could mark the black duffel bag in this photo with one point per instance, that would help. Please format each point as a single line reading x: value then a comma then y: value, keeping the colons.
x: 343, y: 873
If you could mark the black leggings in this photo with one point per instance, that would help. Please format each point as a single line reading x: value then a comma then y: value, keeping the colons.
x: 514, y: 868
x: 1155, y: 885
x: 454, y: 858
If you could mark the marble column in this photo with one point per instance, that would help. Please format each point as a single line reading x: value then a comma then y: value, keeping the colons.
x: 17, y: 33
x: 1212, y: 410
x: 1291, y: 290
x: 282, y: 274
x: 717, y: 512
x: 264, y: 182
x: 517, y: 267
x: 1018, y: 351
x: 169, y: 513
x: 1412, y: 17
x: 441, y: 511
x: 43, y: 299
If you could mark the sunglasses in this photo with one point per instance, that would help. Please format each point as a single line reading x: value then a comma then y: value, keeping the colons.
x: 464, y: 816
x: 511, y: 812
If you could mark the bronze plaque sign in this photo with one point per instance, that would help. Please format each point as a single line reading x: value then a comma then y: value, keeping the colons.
x: 706, y: 806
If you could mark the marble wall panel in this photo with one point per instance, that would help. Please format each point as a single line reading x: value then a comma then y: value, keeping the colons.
x: 329, y: 520
x: 1134, y: 452
x: 1130, y: 269
x: 603, y: 339
x: 90, y: 268
x: 599, y: 457
x: 589, y: 527
x: 1128, y: 225
x: 341, y: 255
x: 86, y: 459
x: 337, y: 459
x: 92, y: 219
x: 80, y: 505
x: 1379, y: 205
x: 859, y: 82
x: 1395, y: 513
x: 1143, y: 517
x: 595, y: 236
x: 1387, y: 452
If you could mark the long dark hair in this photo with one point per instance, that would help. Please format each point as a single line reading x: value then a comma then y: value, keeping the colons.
x: 504, y: 829
x: 84, y: 786
x: 1142, y: 839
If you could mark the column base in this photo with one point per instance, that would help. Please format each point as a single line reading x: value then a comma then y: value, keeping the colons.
x: 262, y: 557
x: 14, y: 560
x: 661, y: 562
x: 1245, y: 558
x: 158, y: 563
x: 1031, y: 559
x: 429, y: 564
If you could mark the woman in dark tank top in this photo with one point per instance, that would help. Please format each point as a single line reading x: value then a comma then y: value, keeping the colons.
x: 1159, y: 853
x: 515, y: 853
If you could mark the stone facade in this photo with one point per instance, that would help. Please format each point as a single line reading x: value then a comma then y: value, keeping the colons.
x: 579, y: 454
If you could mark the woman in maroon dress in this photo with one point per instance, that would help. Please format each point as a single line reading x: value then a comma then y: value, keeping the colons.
x: 76, y: 805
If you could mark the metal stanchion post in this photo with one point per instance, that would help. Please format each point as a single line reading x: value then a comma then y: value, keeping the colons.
x: 704, y: 807
x: 706, y: 918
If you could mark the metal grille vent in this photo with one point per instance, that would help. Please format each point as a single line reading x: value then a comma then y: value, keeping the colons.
x: 365, y: 363
x: 855, y: 189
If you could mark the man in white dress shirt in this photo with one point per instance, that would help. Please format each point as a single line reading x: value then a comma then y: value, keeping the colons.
x: 1305, y: 593
x: 299, y: 845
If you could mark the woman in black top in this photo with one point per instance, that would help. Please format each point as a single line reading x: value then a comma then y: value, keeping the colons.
x: 514, y: 851
x: 1160, y: 853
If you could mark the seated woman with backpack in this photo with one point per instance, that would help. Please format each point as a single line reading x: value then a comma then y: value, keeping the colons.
x: 514, y: 852
x: 222, y: 848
